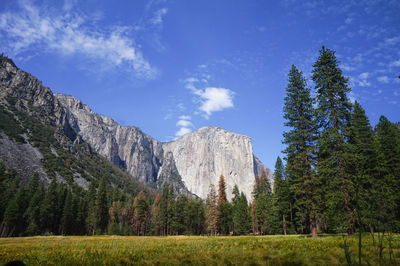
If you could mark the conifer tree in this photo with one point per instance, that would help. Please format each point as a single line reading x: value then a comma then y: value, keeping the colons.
x: 333, y: 113
x: 389, y: 155
x: 280, y: 199
x: 34, y: 211
x: 166, y: 207
x: 300, y: 140
x: 212, y: 211
x: 89, y: 209
x: 140, y: 214
x: 67, y: 220
x: 262, y: 204
x: 48, y: 210
x: 155, y: 215
x: 224, y: 208
x: 101, y: 207
x: 241, y: 214
x: 178, y: 223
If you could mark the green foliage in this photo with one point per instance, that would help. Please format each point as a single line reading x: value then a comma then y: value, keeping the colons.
x: 280, y: 200
x: 10, y: 126
x: 333, y: 116
x: 262, y: 205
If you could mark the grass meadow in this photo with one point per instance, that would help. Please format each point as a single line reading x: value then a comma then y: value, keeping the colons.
x: 198, y: 250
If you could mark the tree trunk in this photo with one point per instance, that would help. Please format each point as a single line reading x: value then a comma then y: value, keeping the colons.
x: 284, y: 224
x: 314, y: 233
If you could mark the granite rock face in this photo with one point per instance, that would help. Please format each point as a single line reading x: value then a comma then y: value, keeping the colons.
x: 202, y: 156
x: 190, y: 163
x: 127, y: 147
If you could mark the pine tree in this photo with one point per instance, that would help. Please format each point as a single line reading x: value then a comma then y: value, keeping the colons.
x: 89, y: 210
x: 166, y: 208
x: 280, y: 199
x: 212, y: 211
x: 361, y: 162
x: 178, y: 223
x: 300, y: 140
x: 67, y: 219
x: 140, y: 214
x: 235, y: 208
x: 155, y: 216
x: 389, y: 155
x: 48, y: 210
x: 262, y: 204
x: 241, y: 214
x: 333, y: 113
x: 34, y: 211
x: 224, y: 208
x: 101, y: 207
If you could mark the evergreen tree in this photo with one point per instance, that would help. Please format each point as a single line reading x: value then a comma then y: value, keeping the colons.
x: 212, y: 211
x: 389, y: 154
x: 300, y: 140
x: 241, y: 213
x: 34, y: 211
x: 101, y: 207
x: 280, y: 199
x: 166, y: 208
x: 333, y: 113
x: 67, y: 219
x: 224, y: 208
x: 155, y: 216
x: 178, y: 224
x: 194, y: 217
x: 48, y: 210
x: 140, y: 214
x: 89, y: 210
x: 262, y: 204
x: 14, y: 220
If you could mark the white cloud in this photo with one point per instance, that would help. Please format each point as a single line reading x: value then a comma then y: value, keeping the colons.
x: 395, y: 63
x: 383, y: 79
x: 364, y: 75
x: 182, y: 131
x: 158, y: 16
x: 34, y: 28
x: 392, y: 41
x: 215, y: 99
x: 184, y: 123
x: 347, y: 67
x: 362, y: 80
x: 185, y: 117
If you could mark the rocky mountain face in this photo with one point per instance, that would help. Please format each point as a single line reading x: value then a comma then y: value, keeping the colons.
x: 202, y: 156
x: 190, y: 163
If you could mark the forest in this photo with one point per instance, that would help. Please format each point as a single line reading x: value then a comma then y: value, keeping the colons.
x: 339, y: 175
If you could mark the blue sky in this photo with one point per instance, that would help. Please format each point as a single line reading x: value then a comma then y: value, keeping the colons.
x: 171, y: 67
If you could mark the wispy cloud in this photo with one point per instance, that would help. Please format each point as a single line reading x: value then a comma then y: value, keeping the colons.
x: 363, y: 80
x: 185, y: 125
x: 158, y: 16
x: 383, y: 79
x: 395, y: 63
x: 32, y: 28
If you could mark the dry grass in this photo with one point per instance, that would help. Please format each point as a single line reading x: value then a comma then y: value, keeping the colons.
x: 196, y: 250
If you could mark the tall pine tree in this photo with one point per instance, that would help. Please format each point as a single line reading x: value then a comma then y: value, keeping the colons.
x: 300, y: 152
x: 333, y: 113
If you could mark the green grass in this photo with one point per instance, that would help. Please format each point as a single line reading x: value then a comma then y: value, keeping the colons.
x: 196, y: 250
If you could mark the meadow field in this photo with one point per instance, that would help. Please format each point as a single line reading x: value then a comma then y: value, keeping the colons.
x: 198, y: 250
